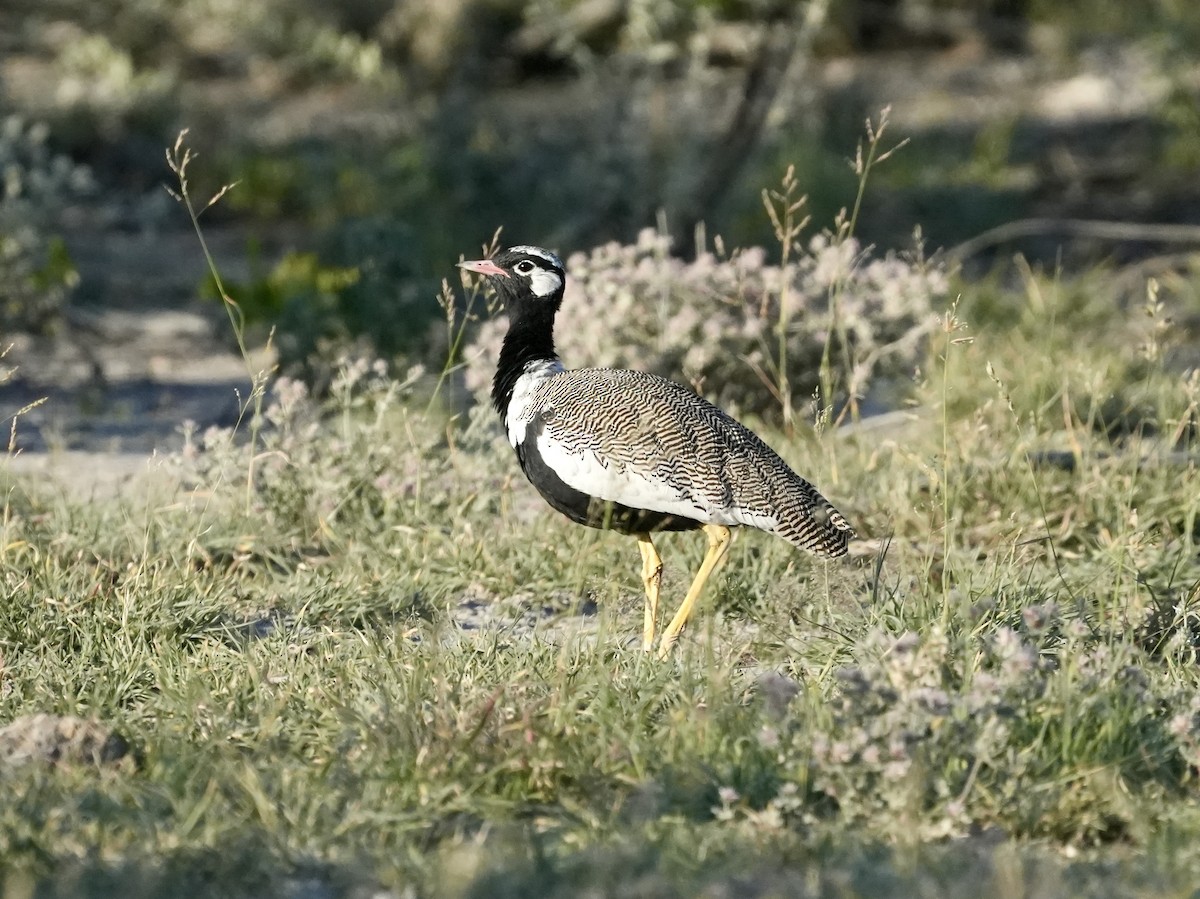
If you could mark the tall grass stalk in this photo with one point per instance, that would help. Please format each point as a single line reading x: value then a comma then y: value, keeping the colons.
x: 783, y: 208
x: 179, y: 158
x: 862, y: 165
x: 951, y: 325
x: 456, y: 326
x: 6, y: 374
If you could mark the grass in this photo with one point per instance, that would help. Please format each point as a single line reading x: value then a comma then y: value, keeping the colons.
x: 1001, y: 697
x: 995, y: 697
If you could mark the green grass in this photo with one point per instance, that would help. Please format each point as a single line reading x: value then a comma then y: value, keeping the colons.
x: 999, y: 700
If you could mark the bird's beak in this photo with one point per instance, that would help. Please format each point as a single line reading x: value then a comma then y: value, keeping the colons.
x: 484, y: 267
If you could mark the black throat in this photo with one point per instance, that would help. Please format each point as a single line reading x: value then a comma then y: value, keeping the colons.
x: 530, y: 339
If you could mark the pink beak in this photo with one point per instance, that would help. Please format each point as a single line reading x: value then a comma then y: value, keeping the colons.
x: 484, y: 267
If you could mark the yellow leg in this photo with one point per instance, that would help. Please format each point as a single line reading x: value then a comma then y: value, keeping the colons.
x: 718, y: 543
x: 651, y: 580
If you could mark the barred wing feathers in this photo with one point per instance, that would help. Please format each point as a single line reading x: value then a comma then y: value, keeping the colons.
x: 645, y: 442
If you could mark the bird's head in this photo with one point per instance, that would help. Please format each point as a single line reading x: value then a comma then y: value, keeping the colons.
x: 523, y: 275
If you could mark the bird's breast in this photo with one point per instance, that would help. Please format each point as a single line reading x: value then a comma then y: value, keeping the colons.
x: 524, y: 405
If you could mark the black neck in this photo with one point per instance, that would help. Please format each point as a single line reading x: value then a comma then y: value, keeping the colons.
x: 530, y: 339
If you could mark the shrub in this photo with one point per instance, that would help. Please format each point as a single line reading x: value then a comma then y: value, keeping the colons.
x: 928, y: 740
x: 359, y: 291
x: 303, y: 480
x: 102, y: 93
x: 36, y: 274
x: 712, y: 320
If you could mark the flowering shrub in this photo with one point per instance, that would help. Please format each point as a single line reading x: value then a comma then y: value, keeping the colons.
x: 713, y: 321
x: 319, y: 464
x: 306, y: 475
x: 925, y: 741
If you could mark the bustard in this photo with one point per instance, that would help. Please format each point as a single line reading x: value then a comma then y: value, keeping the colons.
x: 631, y: 451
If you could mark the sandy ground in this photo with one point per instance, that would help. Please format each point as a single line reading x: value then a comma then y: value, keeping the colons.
x: 92, y: 408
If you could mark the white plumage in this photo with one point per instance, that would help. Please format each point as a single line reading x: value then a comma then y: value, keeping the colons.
x: 615, y: 482
x: 520, y: 411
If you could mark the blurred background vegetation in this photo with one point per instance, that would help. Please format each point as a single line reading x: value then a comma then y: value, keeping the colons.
x: 374, y: 141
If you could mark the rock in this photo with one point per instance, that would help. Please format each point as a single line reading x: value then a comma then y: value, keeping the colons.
x: 60, y: 739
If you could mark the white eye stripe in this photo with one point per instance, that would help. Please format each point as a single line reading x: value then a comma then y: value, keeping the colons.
x: 540, y: 253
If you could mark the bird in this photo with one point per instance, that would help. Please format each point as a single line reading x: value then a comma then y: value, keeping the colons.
x: 634, y: 452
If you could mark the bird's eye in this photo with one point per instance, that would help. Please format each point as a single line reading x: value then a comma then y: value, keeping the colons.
x: 524, y: 267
